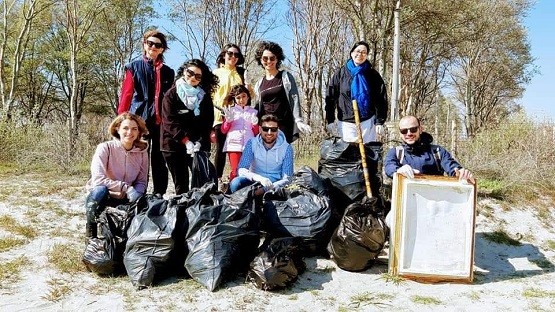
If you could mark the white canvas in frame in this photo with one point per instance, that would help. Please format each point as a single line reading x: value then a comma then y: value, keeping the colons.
x: 432, y: 230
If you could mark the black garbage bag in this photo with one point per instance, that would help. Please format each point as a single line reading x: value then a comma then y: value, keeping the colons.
x: 300, y: 209
x: 278, y: 265
x: 360, y: 236
x: 104, y: 255
x: 149, y: 241
x: 223, y: 235
x: 202, y: 170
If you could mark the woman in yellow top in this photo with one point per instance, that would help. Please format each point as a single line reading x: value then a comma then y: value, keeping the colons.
x: 229, y: 73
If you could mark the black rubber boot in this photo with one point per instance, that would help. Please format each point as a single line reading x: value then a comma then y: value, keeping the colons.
x: 91, y: 230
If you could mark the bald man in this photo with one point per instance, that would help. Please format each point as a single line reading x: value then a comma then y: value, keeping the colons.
x: 419, y: 155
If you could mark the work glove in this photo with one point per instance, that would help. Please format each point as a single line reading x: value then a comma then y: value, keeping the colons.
x: 266, y: 183
x: 190, y: 147
x: 196, y: 147
x: 379, y: 132
x: 407, y: 171
x: 132, y: 194
x: 331, y: 128
x: 304, y: 128
x: 229, y: 115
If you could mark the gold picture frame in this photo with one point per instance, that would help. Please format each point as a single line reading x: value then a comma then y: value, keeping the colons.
x: 432, y: 229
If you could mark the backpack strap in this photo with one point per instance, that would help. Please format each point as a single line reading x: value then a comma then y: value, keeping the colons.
x: 400, y: 153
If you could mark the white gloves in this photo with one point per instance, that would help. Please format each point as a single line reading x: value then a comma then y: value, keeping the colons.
x: 196, y: 147
x: 407, y: 171
x: 190, y: 146
x: 252, y: 119
x: 304, y: 128
x: 132, y: 194
x: 229, y: 115
x: 332, y: 129
x: 266, y: 183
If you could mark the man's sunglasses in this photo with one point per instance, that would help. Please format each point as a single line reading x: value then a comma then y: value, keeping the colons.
x: 192, y: 74
x: 267, y: 129
x: 158, y: 45
x: 231, y: 53
x: 411, y: 129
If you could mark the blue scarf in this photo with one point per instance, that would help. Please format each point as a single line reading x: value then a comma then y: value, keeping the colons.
x: 189, y: 95
x: 360, y: 89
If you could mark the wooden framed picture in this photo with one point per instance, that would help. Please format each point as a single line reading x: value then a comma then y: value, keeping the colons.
x: 432, y: 229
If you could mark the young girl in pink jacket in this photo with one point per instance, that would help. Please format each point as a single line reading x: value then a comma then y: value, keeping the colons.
x: 240, y: 125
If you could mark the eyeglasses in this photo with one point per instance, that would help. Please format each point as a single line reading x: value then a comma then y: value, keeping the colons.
x: 231, y: 53
x: 267, y: 129
x: 269, y: 58
x: 411, y: 129
x: 192, y: 74
x: 158, y: 45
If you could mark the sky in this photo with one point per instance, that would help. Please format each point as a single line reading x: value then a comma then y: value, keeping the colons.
x: 538, y: 99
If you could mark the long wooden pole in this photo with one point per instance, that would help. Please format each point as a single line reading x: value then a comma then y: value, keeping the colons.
x: 362, y: 151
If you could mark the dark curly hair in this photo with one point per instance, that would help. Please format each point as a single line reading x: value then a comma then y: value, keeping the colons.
x: 221, y: 60
x: 272, y: 47
x: 209, y: 81
x: 236, y: 90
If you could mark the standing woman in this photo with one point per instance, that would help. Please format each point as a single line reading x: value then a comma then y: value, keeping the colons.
x: 356, y: 80
x: 277, y: 93
x: 119, y: 169
x: 146, y: 80
x: 229, y: 74
x: 187, y: 117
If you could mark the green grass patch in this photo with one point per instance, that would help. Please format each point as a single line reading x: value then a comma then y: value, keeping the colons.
x: 500, y: 237
x: 551, y: 244
x: 7, y: 243
x: 9, y: 224
x: 66, y: 258
x: 369, y: 298
x: 10, y: 271
x: 395, y: 279
x: 537, y: 293
x: 492, y: 188
x: 425, y: 300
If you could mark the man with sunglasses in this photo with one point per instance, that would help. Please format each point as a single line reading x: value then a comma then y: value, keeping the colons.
x: 267, y: 159
x: 419, y: 155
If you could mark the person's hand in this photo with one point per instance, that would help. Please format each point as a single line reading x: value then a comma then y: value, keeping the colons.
x: 190, y: 146
x: 117, y: 195
x: 379, y: 132
x: 196, y: 147
x: 228, y: 113
x: 132, y: 194
x: 331, y: 128
x: 253, y: 119
x: 266, y: 183
x: 464, y: 175
x: 408, y: 171
x: 304, y: 128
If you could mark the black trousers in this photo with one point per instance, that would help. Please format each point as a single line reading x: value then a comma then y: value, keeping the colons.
x: 179, y: 163
x: 219, y: 156
x: 158, y: 167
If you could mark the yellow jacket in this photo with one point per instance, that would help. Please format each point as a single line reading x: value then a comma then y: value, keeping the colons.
x: 227, y: 79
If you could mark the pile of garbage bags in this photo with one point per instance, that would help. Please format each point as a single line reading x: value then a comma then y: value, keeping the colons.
x: 210, y: 236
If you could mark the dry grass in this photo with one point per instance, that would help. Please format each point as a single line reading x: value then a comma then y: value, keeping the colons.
x: 7, y: 243
x: 9, y: 224
x: 10, y: 271
x: 66, y: 258
x: 501, y: 237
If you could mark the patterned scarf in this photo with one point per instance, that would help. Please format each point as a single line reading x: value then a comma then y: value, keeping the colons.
x: 189, y: 95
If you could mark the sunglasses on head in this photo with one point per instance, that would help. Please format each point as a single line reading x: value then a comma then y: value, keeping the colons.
x: 267, y: 129
x: 411, y: 129
x: 158, y: 45
x: 192, y: 74
x: 269, y: 58
x: 231, y: 53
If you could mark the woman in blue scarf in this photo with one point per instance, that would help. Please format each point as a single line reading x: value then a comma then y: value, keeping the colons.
x: 187, y: 117
x: 356, y: 80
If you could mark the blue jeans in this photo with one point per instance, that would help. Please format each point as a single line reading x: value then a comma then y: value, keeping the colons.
x: 239, y: 183
x: 97, y: 201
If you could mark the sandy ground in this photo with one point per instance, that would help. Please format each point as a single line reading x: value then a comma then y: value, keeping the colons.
x: 507, y: 278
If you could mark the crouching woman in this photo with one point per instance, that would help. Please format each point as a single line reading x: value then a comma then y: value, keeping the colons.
x: 119, y: 169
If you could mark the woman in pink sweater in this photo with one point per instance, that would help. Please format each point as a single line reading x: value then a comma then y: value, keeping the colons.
x: 119, y: 168
x: 240, y: 124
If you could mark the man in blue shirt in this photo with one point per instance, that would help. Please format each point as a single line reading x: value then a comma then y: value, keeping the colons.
x: 418, y: 155
x: 267, y: 159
